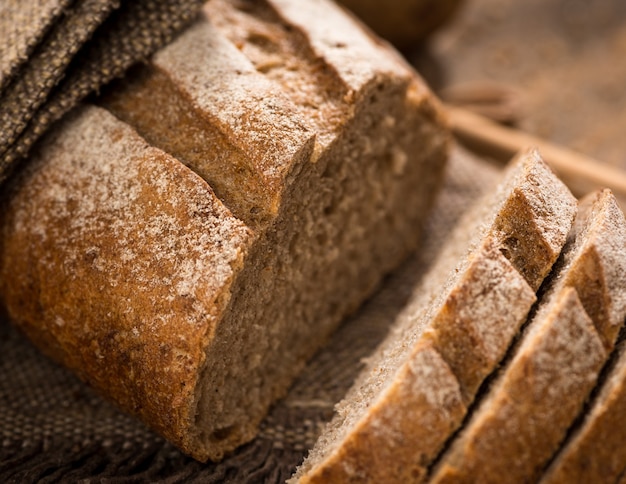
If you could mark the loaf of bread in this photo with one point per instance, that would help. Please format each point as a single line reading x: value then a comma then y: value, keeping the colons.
x: 260, y: 82
x: 193, y: 299
x: 418, y: 384
x: 526, y: 413
x: 595, y: 452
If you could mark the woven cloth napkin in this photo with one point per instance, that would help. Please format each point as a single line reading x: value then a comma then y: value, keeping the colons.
x: 53, y: 53
x: 55, y: 429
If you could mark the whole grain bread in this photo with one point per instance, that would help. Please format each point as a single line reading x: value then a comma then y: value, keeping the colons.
x: 526, y: 413
x: 258, y: 80
x: 595, y: 452
x: 418, y: 384
x: 323, y: 152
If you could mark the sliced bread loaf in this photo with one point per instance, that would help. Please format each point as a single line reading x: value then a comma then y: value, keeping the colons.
x: 254, y: 81
x: 416, y: 388
x: 326, y: 151
x: 527, y: 411
x: 595, y: 452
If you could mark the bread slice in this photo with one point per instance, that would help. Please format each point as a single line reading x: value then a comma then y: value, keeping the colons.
x: 416, y: 388
x: 527, y: 411
x: 326, y: 150
x: 595, y: 452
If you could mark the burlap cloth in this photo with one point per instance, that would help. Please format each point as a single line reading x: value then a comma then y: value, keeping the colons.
x: 55, y: 52
x: 55, y: 429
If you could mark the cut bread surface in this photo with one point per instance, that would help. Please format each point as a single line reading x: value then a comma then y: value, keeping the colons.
x: 254, y: 83
x: 322, y: 146
x: 526, y: 413
x: 595, y: 452
x: 416, y: 388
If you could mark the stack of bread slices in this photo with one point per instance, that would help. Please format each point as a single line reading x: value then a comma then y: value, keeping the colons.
x: 490, y: 375
x: 186, y: 245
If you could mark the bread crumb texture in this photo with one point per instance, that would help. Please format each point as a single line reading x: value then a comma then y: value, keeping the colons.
x: 526, y: 413
x: 467, y: 311
x: 595, y: 451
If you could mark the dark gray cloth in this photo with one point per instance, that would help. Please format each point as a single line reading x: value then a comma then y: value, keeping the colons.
x: 56, y: 429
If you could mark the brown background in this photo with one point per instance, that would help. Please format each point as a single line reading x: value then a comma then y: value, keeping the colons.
x: 566, y: 59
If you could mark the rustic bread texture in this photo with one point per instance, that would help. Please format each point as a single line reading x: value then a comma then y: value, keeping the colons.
x: 596, y: 451
x: 416, y: 388
x: 255, y: 81
x: 527, y: 411
x: 322, y: 141
x: 116, y: 260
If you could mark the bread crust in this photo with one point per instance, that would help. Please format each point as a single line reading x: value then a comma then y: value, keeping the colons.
x: 468, y: 320
x: 131, y: 318
x: 526, y: 413
x: 321, y: 145
x: 370, y: 453
x: 596, y: 451
x: 511, y: 436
